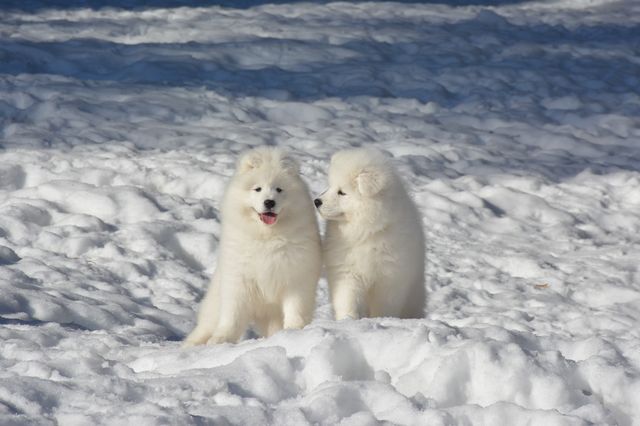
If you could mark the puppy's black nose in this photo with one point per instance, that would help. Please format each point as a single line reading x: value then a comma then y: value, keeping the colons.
x: 317, y: 202
x: 269, y: 204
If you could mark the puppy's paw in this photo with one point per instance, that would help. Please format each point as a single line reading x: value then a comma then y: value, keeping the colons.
x: 217, y: 339
x: 347, y: 316
x: 294, y: 323
x: 197, y: 337
x: 188, y: 344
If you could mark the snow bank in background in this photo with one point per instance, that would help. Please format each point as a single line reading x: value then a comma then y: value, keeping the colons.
x: 516, y: 127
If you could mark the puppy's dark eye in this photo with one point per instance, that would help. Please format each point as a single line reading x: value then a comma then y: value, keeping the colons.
x: 278, y: 189
x: 340, y: 192
x: 258, y: 189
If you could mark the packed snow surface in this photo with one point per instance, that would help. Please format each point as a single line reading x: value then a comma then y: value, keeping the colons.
x: 515, y: 123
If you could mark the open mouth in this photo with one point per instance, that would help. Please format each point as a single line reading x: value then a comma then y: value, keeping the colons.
x: 268, y: 217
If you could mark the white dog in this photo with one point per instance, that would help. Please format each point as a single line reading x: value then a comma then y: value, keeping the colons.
x: 374, y: 246
x: 270, y: 254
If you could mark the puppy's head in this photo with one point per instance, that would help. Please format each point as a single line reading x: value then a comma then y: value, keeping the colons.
x: 357, y: 178
x: 266, y: 184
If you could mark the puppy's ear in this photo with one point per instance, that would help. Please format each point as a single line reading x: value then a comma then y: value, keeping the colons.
x: 250, y: 160
x: 371, y: 181
x: 290, y: 165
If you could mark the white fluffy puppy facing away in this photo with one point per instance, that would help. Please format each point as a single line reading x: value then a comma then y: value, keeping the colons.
x: 374, y: 245
x: 269, y: 258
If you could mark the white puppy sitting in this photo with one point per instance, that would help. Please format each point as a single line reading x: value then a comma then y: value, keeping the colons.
x: 374, y: 246
x: 269, y: 257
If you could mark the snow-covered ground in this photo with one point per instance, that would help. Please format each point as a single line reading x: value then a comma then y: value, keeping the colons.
x: 516, y: 124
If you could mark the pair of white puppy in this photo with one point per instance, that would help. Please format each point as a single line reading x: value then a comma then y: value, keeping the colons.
x: 271, y: 255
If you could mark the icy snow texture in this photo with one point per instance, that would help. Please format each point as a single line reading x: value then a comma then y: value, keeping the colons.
x: 517, y: 127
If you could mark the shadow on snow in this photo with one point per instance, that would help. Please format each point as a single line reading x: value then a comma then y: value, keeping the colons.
x: 446, y: 65
x: 34, y: 6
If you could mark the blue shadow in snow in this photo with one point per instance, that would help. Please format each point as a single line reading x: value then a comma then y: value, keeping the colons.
x: 38, y: 323
x: 425, y: 70
x: 364, y: 68
x: 33, y: 6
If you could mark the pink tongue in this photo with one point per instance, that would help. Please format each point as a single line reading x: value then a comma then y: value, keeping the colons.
x: 268, y: 218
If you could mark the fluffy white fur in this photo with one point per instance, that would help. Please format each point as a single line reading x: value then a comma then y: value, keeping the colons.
x: 374, y: 247
x: 266, y: 273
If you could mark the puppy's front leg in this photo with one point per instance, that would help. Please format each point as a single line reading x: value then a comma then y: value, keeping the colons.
x: 233, y: 318
x: 347, y: 296
x: 297, y: 310
x: 231, y: 326
x: 207, y: 315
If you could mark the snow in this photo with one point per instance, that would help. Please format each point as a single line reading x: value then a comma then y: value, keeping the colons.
x: 515, y: 123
